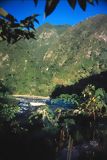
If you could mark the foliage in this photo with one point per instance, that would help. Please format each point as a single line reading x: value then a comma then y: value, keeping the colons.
x: 8, y: 112
x: 73, y: 99
x: 101, y: 94
x: 66, y: 100
x: 91, y: 102
x: 95, y: 100
x: 43, y: 113
x: 89, y: 91
x: 4, y: 90
x: 52, y: 4
x: 57, y: 57
x: 69, y: 122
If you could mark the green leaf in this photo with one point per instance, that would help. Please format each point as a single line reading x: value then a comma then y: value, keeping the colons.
x: 36, y: 21
x: 82, y: 4
x: 50, y: 6
x: 72, y: 3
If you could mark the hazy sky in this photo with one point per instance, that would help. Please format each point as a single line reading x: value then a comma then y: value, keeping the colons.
x: 63, y: 14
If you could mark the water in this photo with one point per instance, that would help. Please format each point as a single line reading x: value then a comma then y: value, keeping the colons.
x: 89, y: 142
x: 25, y: 105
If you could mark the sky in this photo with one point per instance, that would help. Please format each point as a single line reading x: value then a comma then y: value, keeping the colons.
x: 63, y: 14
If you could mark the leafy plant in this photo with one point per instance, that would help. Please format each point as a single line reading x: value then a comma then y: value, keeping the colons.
x: 5, y: 89
x: 95, y: 100
x: 66, y: 100
x: 52, y: 4
x: 50, y: 7
x: 44, y: 114
x: 73, y: 99
x: 8, y: 112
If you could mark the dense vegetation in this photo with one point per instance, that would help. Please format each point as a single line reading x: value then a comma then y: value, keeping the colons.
x: 70, y: 126
x: 61, y: 55
x: 78, y: 124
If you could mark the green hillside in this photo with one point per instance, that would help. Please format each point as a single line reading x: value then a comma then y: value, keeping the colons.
x: 60, y: 55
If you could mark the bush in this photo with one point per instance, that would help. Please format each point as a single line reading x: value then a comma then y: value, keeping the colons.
x: 8, y: 112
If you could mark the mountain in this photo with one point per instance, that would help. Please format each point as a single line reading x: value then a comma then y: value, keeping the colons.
x: 61, y: 55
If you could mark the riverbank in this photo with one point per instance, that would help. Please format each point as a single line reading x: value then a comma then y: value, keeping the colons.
x: 31, y: 96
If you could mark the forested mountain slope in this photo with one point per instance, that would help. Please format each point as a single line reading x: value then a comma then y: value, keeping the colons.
x: 60, y: 55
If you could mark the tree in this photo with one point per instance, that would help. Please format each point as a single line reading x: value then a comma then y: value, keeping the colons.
x: 12, y: 31
x: 6, y: 15
x: 4, y: 89
x: 94, y: 101
x: 51, y: 5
